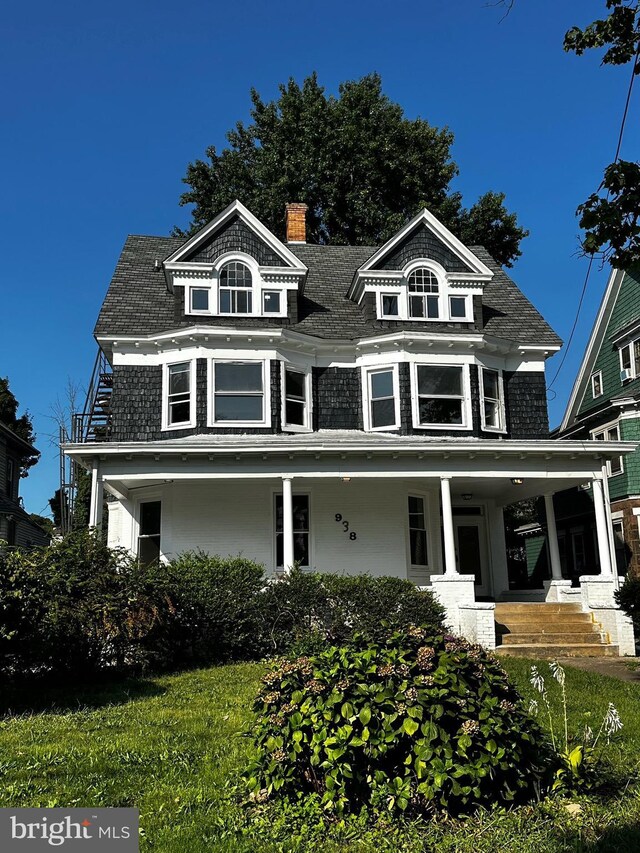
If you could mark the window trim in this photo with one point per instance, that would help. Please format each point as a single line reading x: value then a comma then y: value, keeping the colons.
x: 634, y: 373
x: 366, y: 396
x: 258, y: 287
x: 10, y: 478
x: 266, y: 392
x: 308, y: 403
x: 424, y: 497
x: 467, y: 416
x: 151, y: 497
x: 594, y: 376
x: 501, y: 404
x: 275, y: 493
x: 191, y: 423
x: 603, y: 430
x: 446, y: 290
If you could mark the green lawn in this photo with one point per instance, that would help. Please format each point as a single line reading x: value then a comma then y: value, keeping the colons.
x: 172, y: 747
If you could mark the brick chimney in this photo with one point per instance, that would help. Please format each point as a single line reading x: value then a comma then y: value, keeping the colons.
x: 296, y: 222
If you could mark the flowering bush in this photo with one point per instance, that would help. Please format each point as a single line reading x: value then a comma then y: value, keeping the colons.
x: 577, y: 756
x: 410, y: 722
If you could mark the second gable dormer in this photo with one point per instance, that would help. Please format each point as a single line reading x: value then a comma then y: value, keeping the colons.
x: 235, y: 268
x: 423, y: 273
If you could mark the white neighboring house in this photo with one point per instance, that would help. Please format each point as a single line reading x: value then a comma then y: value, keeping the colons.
x: 351, y: 408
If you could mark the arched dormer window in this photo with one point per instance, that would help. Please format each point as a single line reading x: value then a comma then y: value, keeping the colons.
x: 236, y: 286
x: 424, y: 290
x: 236, y: 282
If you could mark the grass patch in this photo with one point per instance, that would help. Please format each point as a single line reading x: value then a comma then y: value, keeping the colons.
x: 172, y: 747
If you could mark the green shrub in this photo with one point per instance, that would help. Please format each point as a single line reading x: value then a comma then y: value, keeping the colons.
x: 78, y: 606
x: 628, y: 597
x: 411, y: 722
x: 217, y: 608
x: 303, y: 610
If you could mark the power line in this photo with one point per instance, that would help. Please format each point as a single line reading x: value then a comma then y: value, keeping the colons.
x: 591, y: 257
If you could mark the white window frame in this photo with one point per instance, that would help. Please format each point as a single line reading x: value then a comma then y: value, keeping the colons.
x: 258, y: 287
x: 425, y: 503
x: 153, y: 496
x: 467, y: 416
x: 191, y: 423
x: 502, y: 428
x: 633, y: 371
x: 597, y: 375
x: 308, y: 404
x: 303, y: 493
x: 366, y: 396
x: 441, y: 293
x: 603, y: 430
x: 266, y: 393
x: 445, y: 293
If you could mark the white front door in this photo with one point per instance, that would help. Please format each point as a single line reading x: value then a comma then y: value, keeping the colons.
x: 471, y: 550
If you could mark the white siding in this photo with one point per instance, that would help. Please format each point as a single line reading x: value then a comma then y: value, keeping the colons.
x: 237, y: 517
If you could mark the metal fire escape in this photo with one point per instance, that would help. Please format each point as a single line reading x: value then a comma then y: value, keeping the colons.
x: 91, y: 425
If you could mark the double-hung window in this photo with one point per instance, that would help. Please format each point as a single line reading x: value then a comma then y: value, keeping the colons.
x: 381, y: 398
x: 440, y: 398
x: 424, y: 294
x: 296, y: 407
x: 238, y: 393
x: 300, y: 530
x: 200, y: 299
x: 491, y: 400
x: 389, y: 305
x: 630, y: 360
x: 610, y: 433
x: 236, y: 295
x: 11, y: 478
x: 596, y: 385
x: 417, y: 532
x: 149, y: 532
x: 178, y: 408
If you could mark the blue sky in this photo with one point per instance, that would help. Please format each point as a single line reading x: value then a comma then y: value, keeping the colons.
x: 104, y: 105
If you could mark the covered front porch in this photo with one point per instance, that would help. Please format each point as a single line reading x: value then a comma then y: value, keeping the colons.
x: 430, y: 511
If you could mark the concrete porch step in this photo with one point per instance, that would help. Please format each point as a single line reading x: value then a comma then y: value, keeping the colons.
x: 541, y: 638
x: 559, y: 626
x: 535, y: 609
x: 552, y: 652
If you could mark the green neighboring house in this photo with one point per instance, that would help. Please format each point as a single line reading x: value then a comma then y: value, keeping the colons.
x: 604, y: 405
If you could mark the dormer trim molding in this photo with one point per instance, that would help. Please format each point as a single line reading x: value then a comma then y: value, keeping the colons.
x: 176, y: 262
x: 478, y: 274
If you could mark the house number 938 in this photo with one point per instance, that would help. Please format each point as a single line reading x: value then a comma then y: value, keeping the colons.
x: 345, y: 526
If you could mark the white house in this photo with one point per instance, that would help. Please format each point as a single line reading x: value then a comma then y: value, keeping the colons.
x: 351, y: 408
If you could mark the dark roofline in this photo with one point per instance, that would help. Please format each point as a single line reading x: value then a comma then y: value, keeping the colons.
x: 9, y: 433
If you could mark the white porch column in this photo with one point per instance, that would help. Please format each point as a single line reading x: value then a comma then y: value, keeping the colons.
x: 95, y: 507
x: 602, y: 528
x: 552, y: 537
x: 450, y: 567
x: 287, y: 524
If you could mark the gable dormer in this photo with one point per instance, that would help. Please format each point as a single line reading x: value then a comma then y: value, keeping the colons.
x: 235, y: 267
x: 423, y: 273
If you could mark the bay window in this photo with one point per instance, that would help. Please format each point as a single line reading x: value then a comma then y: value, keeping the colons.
x: 238, y: 393
x: 381, y: 404
x: 440, y: 396
x: 178, y: 398
x: 296, y: 394
x: 491, y: 400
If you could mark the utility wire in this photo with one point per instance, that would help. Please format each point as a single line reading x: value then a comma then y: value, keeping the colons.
x: 591, y: 257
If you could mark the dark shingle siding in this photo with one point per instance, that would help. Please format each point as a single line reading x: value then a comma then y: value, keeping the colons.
x: 138, y: 302
x: 337, y: 398
x: 422, y: 243
x: 526, y: 405
x: 235, y: 236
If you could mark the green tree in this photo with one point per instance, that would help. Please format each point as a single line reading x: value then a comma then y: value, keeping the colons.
x: 610, y: 216
x: 20, y: 425
x: 359, y: 164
